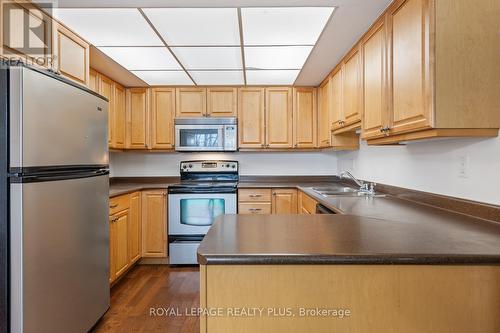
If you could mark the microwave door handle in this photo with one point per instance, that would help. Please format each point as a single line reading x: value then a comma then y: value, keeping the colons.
x: 222, y: 134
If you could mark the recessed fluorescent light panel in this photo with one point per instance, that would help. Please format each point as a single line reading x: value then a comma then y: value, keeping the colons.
x: 109, y: 26
x: 196, y: 26
x: 284, y: 25
x: 272, y: 76
x: 209, y: 57
x: 142, y: 58
x: 162, y: 45
x: 159, y: 78
x: 217, y: 77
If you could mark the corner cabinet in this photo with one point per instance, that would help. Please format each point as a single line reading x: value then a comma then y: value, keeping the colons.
x: 105, y: 86
x: 119, y: 117
x: 162, y: 118
x: 138, y: 118
x: 154, y: 224
x: 324, y: 115
x: 442, y: 71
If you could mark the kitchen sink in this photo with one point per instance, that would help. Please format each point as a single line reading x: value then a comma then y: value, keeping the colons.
x: 332, y: 191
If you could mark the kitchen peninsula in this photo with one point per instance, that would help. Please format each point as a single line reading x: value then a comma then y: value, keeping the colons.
x: 398, y: 267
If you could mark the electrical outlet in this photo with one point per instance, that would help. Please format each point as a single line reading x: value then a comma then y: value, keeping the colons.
x: 463, y: 166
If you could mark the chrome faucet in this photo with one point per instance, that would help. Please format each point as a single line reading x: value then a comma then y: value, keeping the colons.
x: 363, y: 187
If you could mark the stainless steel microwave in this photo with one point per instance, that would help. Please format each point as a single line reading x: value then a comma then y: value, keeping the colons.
x: 206, y: 134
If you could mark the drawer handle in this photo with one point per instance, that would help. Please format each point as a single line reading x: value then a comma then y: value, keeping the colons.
x: 255, y: 209
x: 255, y: 195
x: 113, y: 206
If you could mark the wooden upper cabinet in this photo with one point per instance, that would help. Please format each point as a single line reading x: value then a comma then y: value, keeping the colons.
x: 119, y: 123
x: 154, y: 223
x: 284, y: 201
x: 106, y: 90
x: 93, y: 80
x: 137, y: 118
x: 134, y: 228
x: 374, y: 82
x: 72, y: 55
x: 411, y: 99
x: 40, y: 51
x: 251, y: 119
x: 351, y: 88
x: 222, y: 102
x: 324, y: 115
x: 279, y: 118
x: 191, y: 102
x: 336, y: 114
x: 305, y: 121
x: 162, y: 118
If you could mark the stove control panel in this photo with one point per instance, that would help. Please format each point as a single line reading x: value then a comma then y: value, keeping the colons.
x: 209, y: 166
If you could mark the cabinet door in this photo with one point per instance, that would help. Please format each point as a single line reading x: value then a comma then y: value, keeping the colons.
x: 119, y: 242
x: 137, y: 118
x: 251, y: 126
x: 112, y: 252
x: 72, y: 55
x: 374, y: 81
x: 94, y: 80
x: 324, y: 115
x: 306, y: 204
x: 154, y: 223
x: 191, y: 102
x: 279, y: 118
x: 162, y: 117
x: 134, y: 228
x: 336, y: 113
x: 222, y: 102
x: 351, y: 88
x: 411, y: 99
x: 119, y: 123
x: 18, y: 21
x: 106, y: 89
x: 305, y: 122
x: 284, y: 201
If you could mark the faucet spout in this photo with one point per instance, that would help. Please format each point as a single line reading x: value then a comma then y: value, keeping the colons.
x: 348, y: 175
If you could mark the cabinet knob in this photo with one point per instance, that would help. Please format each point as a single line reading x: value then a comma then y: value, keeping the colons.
x: 113, y: 206
x: 267, y: 146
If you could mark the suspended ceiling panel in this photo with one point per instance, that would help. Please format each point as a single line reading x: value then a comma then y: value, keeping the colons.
x: 221, y: 42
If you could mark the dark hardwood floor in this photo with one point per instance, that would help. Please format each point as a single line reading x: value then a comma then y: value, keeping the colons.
x: 153, y: 286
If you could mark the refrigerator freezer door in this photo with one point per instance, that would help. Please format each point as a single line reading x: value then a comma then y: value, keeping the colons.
x: 59, y: 255
x: 53, y: 123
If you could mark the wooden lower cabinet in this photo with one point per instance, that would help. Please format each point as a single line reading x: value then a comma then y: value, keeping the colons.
x: 267, y: 201
x: 284, y: 201
x: 135, y: 226
x: 306, y: 204
x: 154, y: 223
x: 119, y: 242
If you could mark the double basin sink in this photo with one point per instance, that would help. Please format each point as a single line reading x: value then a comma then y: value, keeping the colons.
x: 334, y: 190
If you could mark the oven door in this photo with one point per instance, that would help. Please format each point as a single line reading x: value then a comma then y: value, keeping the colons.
x: 194, y: 213
x: 199, y: 137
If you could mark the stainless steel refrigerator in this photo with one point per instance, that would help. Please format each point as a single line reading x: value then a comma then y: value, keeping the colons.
x: 54, y: 246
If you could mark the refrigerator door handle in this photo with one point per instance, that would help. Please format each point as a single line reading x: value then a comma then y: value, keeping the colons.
x: 47, y: 177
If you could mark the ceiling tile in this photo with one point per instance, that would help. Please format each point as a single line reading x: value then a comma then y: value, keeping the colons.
x: 284, y: 25
x: 209, y: 57
x: 271, y: 76
x: 196, y: 26
x: 109, y: 26
x: 218, y: 77
x: 276, y: 57
x: 156, y: 78
x: 142, y: 58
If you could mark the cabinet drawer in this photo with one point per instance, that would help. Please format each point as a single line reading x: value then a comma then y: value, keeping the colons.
x: 117, y: 204
x: 254, y: 195
x: 306, y: 204
x: 254, y: 208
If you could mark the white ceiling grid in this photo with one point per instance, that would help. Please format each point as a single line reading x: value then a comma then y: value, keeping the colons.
x: 204, y: 46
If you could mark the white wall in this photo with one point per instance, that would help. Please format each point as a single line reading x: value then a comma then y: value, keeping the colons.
x: 129, y: 164
x: 433, y: 166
